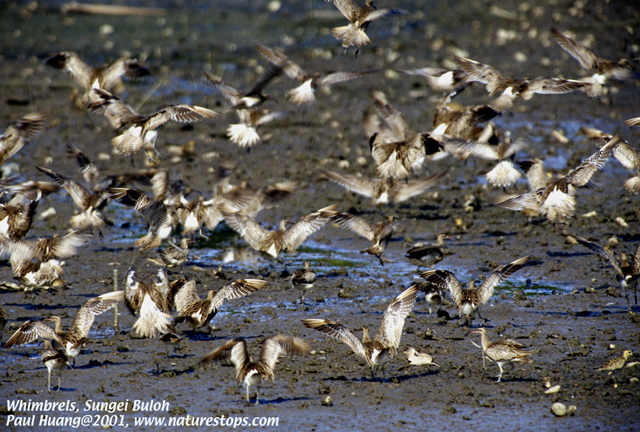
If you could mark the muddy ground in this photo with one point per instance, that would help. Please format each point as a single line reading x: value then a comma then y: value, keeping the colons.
x: 564, y: 305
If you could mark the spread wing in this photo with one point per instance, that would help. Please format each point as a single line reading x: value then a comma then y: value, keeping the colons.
x: 29, y: 332
x: 580, y: 176
x: 184, y: 294
x: 236, y: 289
x: 87, y: 313
x: 445, y: 280
x: 278, y: 345
x: 336, y: 331
x: 355, y: 224
x: 361, y: 185
x: 248, y: 228
x: 602, y: 253
x: 390, y: 331
x: 585, y: 56
x: 309, y: 224
x: 485, y: 290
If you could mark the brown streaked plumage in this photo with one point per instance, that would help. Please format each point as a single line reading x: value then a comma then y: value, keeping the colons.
x: 152, y: 302
x: 556, y: 200
x: 632, y: 122
x: 100, y: 77
x: 427, y: 254
x: 384, y: 190
x: 15, y: 220
x: 249, y: 99
x: 512, y: 88
x: 199, y: 312
x: 303, y: 279
x: 70, y: 341
x: 305, y: 93
x: 359, y: 19
x: 628, y: 156
x: 400, y: 158
x: 502, y: 351
x: 470, y: 298
x: 273, y: 242
x: 603, y: 69
x: 379, y: 234
x: 142, y: 133
x: 88, y: 168
x: 384, y: 346
x: 53, y: 360
x: 627, y: 274
x: 19, y: 134
x: 463, y: 122
x: 90, y: 204
x: 174, y: 256
x: 616, y: 363
x: 253, y: 373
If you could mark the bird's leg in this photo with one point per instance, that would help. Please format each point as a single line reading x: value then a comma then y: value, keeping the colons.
x: 257, y: 394
x: 59, y: 378
x: 247, y: 387
x: 501, y: 371
x: 480, y: 316
x: 49, y: 383
x: 380, y: 259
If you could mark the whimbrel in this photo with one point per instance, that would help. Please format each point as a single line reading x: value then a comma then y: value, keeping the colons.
x: 19, y: 134
x: 384, y: 346
x: 470, y: 298
x: 502, y: 351
x: 359, y: 19
x: 427, y: 254
x: 512, y: 88
x: 198, y: 312
x: 151, y: 301
x: 418, y: 359
x: 379, y: 234
x: 253, y: 373
x: 627, y: 274
x: 306, y: 92
x: 53, y: 360
x: 603, y: 69
x: 273, y: 242
x: 70, y: 341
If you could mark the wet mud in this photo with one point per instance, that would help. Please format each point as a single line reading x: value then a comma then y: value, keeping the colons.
x: 565, y: 305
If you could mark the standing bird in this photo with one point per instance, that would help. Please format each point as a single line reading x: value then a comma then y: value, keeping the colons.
x: 53, y: 360
x: 502, y: 351
x: 19, y: 134
x: 512, y: 88
x: 174, y: 256
x: 603, y: 69
x: 142, y: 133
x: 379, y: 234
x: 360, y: 18
x: 470, y: 298
x: 70, y: 341
x: 303, y: 279
x: 273, y: 242
x: 425, y: 254
x: 627, y: 274
x: 198, y: 312
x: 384, y: 346
x: 151, y: 301
x: 253, y: 373
x: 616, y: 363
x: 556, y: 199
x: 433, y: 295
x: 306, y: 92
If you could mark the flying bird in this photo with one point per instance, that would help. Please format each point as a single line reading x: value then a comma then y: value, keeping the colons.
x: 253, y: 373
x: 385, y: 345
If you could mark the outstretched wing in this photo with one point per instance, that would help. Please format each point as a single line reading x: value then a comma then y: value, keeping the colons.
x: 485, y: 290
x: 445, y: 280
x: 390, y: 331
x: 336, y: 331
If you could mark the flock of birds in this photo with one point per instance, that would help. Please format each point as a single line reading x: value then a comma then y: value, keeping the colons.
x: 399, y: 152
